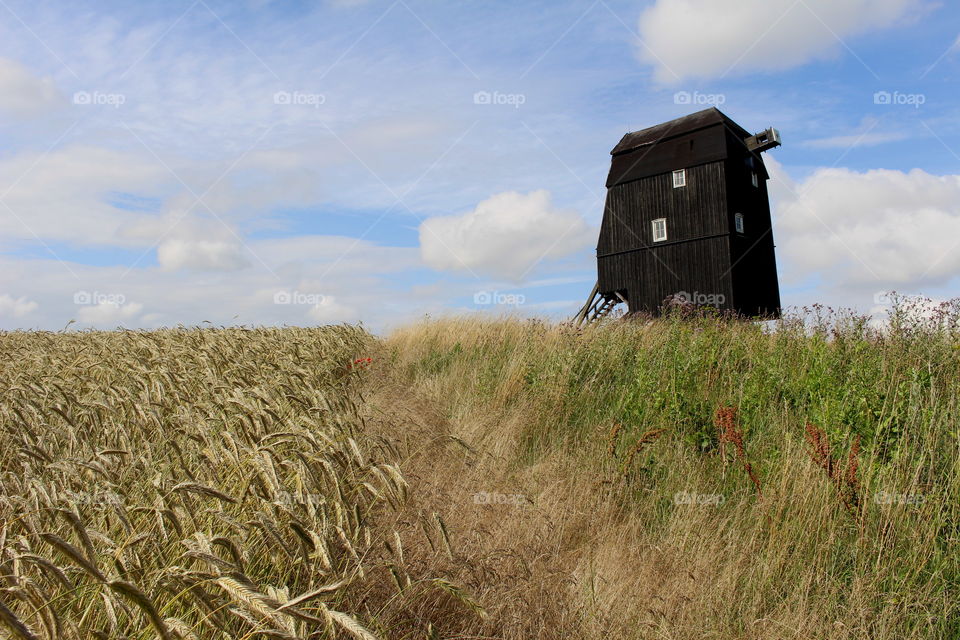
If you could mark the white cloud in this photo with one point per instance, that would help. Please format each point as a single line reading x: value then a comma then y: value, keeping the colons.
x: 108, y: 315
x: 15, y: 307
x: 329, y: 311
x: 201, y: 255
x: 506, y: 235
x: 910, y: 308
x: 64, y: 195
x: 708, y: 38
x: 353, y: 279
x: 877, y: 230
x: 23, y: 94
x: 337, y: 257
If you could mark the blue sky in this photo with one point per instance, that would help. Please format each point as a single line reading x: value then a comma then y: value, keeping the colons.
x: 304, y: 162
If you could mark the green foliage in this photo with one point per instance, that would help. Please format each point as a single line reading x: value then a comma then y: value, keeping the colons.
x: 849, y: 380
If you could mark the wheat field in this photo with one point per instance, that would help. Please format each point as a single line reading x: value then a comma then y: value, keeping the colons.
x: 194, y: 484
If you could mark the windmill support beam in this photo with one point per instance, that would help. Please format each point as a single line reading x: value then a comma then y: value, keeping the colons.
x: 597, y: 306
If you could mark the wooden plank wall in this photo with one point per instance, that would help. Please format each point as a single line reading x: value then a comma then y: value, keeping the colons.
x: 754, y: 266
x: 648, y: 277
x: 698, y: 209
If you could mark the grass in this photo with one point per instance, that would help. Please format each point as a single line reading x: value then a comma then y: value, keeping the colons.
x: 629, y: 423
x: 478, y: 478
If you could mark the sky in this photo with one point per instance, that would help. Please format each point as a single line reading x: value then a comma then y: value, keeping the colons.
x: 280, y: 162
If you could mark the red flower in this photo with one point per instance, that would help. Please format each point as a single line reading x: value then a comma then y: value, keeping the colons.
x: 360, y: 363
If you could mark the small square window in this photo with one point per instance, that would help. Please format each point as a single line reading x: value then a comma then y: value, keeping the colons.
x: 754, y: 179
x: 679, y: 178
x: 659, y: 229
x: 738, y: 222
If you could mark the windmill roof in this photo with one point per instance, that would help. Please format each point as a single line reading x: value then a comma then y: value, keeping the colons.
x: 679, y: 126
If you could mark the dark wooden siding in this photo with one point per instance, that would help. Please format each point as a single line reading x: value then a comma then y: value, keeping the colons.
x: 693, y: 211
x: 753, y: 264
x: 648, y: 277
x: 696, y: 252
x: 737, y: 150
x: 753, y: 275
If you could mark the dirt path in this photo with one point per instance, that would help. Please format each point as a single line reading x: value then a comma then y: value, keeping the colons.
x: 509, y: 532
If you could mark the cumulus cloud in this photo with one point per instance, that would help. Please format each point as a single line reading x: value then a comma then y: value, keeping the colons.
x: 880, y: 228
x: 15, y: 307
x: 506, y: 235
x: 23, y: 94
x: 201, y: 255
x: 329, y: 311
x: 708, y: 38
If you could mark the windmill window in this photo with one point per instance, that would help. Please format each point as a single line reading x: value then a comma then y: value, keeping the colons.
x: 679, y: 178
x: 754, y: 179
x: 738, y: 222
x: 659, y: 229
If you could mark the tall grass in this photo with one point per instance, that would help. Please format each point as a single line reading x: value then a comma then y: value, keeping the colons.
x: 682, y: 542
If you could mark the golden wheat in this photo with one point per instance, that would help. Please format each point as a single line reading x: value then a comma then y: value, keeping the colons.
x: 184, y: 482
